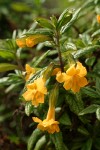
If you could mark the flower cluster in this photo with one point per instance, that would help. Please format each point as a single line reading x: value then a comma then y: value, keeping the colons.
x: 73, y: 78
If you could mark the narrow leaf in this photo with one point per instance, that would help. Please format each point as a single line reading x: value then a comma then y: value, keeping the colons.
x: 90, y: 92
x: 6, y: 67
x: 40, y: 143
x: 83, y: 131
x: 87, y: 145
x: 90, y: 109
x: 96, y: 33
x: 98, y: 113
x: 64, y: 119
x: 64, y: 18
x: 85, y: 51
x: 90, y: 61
x: 28, y: 108
x: 41, y: 58
x: 58, y: 141
x: 6, y: 54
x: 44, y: 23
x: 71, y: 22
x: 34, y: 138
x: 75, y: 105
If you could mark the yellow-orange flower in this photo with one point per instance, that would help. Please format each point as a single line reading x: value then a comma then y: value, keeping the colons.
x: 73, y: 78
x: 35, y: 92
x: 21, y: 42
x: 49, y: 124
x: 98, y: 18
x: 29, y: 71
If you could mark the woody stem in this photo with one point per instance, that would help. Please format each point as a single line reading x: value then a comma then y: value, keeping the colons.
x: 59, y: 53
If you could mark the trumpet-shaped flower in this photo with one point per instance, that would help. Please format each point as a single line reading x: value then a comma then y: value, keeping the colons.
x: 29, y: 71
x: 21, y: 42
x: 35, y: 92
x: 73, y: 78
x: 49, y: 124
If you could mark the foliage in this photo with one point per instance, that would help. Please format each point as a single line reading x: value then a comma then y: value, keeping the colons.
x: 48, y: 44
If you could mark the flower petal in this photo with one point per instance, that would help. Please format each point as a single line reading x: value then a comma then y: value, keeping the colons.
x: 71, y: 71
x: 82, y: 82
x: 82, y: 69
x: 41, y: 85
x: 35, y: 119
x: 68, y: 84
x: 27, y: 95
x: 75, y: 87
x: 60, y: 77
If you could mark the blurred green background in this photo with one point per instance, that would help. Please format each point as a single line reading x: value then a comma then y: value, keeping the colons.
x: 19, y: 14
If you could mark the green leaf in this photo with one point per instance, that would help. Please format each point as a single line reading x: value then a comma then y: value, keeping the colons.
x: 98, y: 85
x: 90, y: 61
x: 45, y: 23
x: 54, y: 20
x: 58, y: 141
x: 48, y: 71
x: 96, y: 33
x: 87, y: 145
x: 74, y: 103
x: 85, y: 51
x: 64, y: 18
x: 90, y: 92
x: 98, y: 113
x: 40, y: 143
x: 34, y: 138
x: 6, y: 67
x: 42, y: 31
x: 7, y: 54
x: 64, y: 119
x: 83, y: 131
x: 90, y: 109
x: 71, y: 22
x: 28, y: 108
x: 41, y: 58
x: 20, y: 7
x: 97, y: 143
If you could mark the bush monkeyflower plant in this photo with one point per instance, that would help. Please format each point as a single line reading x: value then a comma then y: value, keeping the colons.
x: 67, y: 69
x: 61, y: 91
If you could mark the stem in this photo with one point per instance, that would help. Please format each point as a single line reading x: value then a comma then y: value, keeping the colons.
x: 19, y: 64
x: 59, y: 53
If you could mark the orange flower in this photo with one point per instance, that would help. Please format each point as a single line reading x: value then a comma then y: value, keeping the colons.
x: 31, y: 41
x: 35, y: 92
x: 35, y: 39
x: 49, y: 124
x: 21, y: 42
x: 98, y: 18
x: 29, y: 71
x: 73, y: 78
